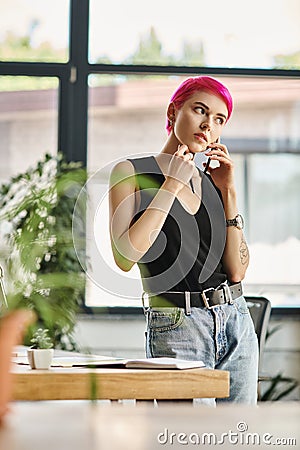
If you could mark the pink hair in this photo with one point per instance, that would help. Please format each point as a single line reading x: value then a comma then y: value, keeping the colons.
x: 201, y: 83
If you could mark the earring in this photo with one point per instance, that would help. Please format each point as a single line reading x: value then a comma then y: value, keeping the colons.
x: 171, y: 122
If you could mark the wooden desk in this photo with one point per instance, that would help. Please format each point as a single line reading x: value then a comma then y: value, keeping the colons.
x: 113, y: 384
x: 81, y: 426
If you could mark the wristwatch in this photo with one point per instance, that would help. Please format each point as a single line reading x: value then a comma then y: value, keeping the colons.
x: 237, y: 222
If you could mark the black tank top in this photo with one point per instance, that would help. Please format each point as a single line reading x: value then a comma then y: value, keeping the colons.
x: 186, y: 255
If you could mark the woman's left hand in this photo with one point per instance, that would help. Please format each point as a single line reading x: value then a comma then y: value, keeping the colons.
x: 222, y: 176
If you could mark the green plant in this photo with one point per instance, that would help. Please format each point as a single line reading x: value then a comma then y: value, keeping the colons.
x: 41, y: 339
x: 42, y: 271
x: 279, y: 386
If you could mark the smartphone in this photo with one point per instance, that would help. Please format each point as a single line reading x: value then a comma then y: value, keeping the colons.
x: 209, y: 160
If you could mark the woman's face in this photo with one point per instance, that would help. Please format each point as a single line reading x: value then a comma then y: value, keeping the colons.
x: 200, y: 120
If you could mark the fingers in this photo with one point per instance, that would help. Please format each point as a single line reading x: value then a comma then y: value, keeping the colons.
x: 221, y: 159
x: 188, y: 157
x: 181, y: 167
x: 219, y: 152
x: 216, y: 146
x: 181, y: 150
x: 184, y: 153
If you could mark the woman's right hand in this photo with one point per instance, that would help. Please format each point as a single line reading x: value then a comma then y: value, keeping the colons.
x: 181, y: 168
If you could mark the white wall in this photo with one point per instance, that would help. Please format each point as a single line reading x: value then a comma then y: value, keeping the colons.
x: 112, y: 335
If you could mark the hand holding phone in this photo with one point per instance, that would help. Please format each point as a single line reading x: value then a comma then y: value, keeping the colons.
x: 208, y: 161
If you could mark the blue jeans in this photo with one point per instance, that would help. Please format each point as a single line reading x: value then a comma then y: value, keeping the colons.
x: 223, y: 338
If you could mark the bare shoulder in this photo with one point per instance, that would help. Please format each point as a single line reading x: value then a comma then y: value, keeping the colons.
x: 122, y: 172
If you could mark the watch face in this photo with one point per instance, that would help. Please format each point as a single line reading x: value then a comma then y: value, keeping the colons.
x: 239, y: 222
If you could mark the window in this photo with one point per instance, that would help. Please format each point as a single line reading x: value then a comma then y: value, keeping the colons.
x: 28, y: 122
x: 231, y: 34
x: 73, y: 72
x: 274, y: 217
x: 34, y: 30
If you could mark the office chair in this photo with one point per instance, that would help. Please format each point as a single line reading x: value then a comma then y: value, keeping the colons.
x: 260, y: 310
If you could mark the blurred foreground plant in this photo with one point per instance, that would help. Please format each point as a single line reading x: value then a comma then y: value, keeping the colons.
x: 42, y: 271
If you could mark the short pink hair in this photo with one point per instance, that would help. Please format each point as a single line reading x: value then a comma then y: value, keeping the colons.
x: 202, y: 83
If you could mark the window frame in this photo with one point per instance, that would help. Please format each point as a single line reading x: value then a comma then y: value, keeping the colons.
x: 73, y: 102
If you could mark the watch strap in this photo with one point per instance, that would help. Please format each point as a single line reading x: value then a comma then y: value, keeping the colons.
x: 237, y: 222
x: 231, y: 222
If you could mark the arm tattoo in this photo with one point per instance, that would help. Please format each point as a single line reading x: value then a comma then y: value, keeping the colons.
x: 244, y: 252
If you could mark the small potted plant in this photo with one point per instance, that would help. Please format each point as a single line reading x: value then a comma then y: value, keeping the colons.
x: 40, y: 354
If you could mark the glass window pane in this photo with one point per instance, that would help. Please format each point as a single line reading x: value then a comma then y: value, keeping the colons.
x: 34, y: 30
x: 265, y: 117
x: 229, y: 34
x: 28, y: 122
x: 274, y: 226
x: 127, y: 117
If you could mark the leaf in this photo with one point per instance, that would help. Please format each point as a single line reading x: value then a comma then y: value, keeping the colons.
x: 42, y: 269
x: 275, y: 391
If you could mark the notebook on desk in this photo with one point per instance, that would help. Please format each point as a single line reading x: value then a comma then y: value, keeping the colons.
x: 108, y: 362
x: 143, y: 363
x: 162, y: 363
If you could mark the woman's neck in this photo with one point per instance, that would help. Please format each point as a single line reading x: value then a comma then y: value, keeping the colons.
x: 171, y: 145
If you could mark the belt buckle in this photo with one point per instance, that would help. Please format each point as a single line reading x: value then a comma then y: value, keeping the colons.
x: 145, y: 299
x: 227, y: 293
x: 206, y: 300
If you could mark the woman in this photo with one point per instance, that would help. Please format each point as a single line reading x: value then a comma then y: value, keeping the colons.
x: 182, y: 227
